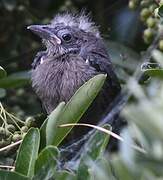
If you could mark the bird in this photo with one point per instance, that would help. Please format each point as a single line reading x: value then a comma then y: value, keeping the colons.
x: 75, y: 52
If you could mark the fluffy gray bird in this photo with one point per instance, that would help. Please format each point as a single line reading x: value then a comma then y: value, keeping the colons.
x: 75, y: 52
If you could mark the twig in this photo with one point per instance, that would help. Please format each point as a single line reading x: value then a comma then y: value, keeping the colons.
x: 105, y: 131
x: 11, y: 145
x: 95, y: 127
x: 8, y: 167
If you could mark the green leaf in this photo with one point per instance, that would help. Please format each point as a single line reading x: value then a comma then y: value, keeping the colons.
x: 2, y: 72
x: 48, y: 156
x: 97, y: 143
x: 93, y: 149
x: 155, y: 73
x: 28, y: 152
x: 157, y: 55
x: 43, y: 134
x: 152, y: 69
x: 121, y: 171
x: 73, y: 110
x: 47, y: 173
x: 15, y: 80
x: 101, y: 169
x: 51, y: 123
x: 127, y: 152
x: 139, y: 115
x: 8, y: 175
x: 150, y: 162
x: 64, y: 175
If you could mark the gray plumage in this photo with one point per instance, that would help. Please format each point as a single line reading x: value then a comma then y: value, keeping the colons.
x: 75, y: 52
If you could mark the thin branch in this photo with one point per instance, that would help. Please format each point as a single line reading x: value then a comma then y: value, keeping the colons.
x: 105, y: 131
x: 8, y: 167
x: 95, y: 127
x: 10, y: 146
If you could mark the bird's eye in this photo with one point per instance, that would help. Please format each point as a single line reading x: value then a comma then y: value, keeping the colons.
x: 66, y: 37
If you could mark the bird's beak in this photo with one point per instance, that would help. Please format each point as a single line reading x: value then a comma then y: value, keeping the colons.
x: 45, y: 32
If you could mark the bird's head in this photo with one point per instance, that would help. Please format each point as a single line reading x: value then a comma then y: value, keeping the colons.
x: 66, y: 33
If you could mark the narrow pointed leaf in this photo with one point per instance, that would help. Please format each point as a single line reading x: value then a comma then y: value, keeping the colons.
x: 74, y: 109
x: 97, y: 143
x: 28, y: 153
x: 152, y: 69
x: 155, y: 73
x: 9, y: 175
x: 43, y: 134
x: 48, y: 156
x: 93, y: 149
x: 14, y: 80
x: 64, y: 175
x: 160, y: 11
x: 51, y: 123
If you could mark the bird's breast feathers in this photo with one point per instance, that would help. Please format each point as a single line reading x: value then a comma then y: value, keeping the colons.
x: 60, y: 78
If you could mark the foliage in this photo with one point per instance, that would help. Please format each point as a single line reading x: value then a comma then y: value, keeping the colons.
x: 140, y: 154
x: 131, y: 162
x: 31, y: 164
x: 150, y: 19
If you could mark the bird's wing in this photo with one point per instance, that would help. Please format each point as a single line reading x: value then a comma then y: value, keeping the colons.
x: 103, y: 64
x: 106, y: 99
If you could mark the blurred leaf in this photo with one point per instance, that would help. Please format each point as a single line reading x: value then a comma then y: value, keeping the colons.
x: 9, y: 4
x: 74, y: 109
x: 153, y: 164
x: 3, y: 73
x: 15, y: 80
x: 121, y: 171
x: 127, y: 153
x: 2, y: 93
x: 122, y: 75
x: 8, y: 175
x: 28, y: 152
x: 144, y: 116
x: 48, y: 156
x: 99, y: 170
x: 160, y: 11
x: 147, y: 175
x: 93, y: 149
x: 102, y: 169
x: 123, y: 56
x: 152, y: 69
x: 154, y: 73
x: 158, y: 56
